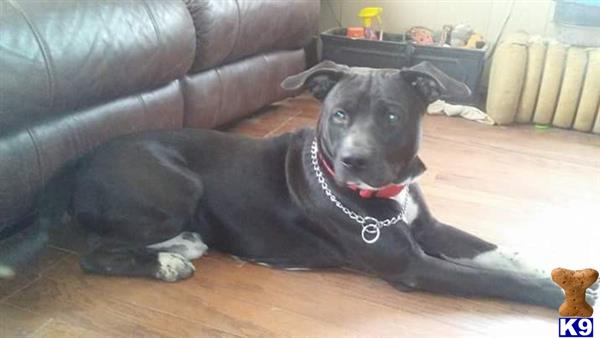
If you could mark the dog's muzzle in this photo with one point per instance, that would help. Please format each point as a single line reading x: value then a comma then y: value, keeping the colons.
x: 388, y: 191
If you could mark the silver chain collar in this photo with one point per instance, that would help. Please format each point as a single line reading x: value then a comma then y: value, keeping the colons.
x: 370, y: 225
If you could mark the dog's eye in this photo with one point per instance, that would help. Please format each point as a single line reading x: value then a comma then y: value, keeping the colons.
x: 340, y: 117
x: 392, y: 118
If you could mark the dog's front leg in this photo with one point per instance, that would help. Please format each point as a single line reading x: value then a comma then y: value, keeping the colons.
x: 449, y: 260
x: 417, y: 269
x: 481, y: 267
x: 452, y: 244
x: 456, y: 247
x: 441, y: 276
x: 449, y: 243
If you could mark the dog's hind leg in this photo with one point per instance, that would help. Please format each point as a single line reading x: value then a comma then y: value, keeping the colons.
x: 168, y: 260
x: 137, y: 262
x: 141, y: 210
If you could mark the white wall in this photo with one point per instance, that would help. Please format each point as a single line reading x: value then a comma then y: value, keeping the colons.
x: 485, y: 16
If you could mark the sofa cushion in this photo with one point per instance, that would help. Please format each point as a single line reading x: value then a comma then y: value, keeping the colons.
x: 229, y: 92
x: 30, y: 155
x: 57, y: 56
x: 228, y: 30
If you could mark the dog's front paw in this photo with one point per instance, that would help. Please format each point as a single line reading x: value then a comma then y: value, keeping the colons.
x: 173, y: 267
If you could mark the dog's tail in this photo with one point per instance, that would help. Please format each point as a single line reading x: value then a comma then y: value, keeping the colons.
x: 20, y: 247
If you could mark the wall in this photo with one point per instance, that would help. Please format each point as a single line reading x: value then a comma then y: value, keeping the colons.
x: 485, y: 16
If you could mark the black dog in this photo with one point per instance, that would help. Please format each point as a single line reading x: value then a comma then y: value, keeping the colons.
x: 343, y: 196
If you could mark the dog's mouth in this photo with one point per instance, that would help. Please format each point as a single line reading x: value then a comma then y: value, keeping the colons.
x: 382, y: 176
x: 375, y: 179
x: 370, y: 182
x: 367, y: 189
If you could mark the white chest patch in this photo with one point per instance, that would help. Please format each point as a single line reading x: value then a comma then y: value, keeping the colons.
x: 412, y: 209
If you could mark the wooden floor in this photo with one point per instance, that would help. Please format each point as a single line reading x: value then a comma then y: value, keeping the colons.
x: 538, y: 190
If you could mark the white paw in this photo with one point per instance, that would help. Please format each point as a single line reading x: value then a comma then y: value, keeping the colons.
x: 173, y: 267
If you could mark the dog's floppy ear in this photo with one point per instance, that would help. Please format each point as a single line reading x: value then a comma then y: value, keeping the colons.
x: 319, y: 79
x: 433, y: 84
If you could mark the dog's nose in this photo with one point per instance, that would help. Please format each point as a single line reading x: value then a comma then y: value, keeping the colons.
x: 354, y: 162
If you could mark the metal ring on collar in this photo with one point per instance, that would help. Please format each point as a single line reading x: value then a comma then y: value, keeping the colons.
x: 373, y: 229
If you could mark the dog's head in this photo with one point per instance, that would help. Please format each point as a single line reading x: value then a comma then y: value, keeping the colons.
x: 370, y: 124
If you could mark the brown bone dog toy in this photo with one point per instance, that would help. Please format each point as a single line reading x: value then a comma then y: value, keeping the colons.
x: 574, y: 283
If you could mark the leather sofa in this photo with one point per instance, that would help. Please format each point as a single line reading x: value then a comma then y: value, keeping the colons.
x: 74, y: 74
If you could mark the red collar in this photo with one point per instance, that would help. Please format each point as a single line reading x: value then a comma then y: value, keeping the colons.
x: 389, y: 191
